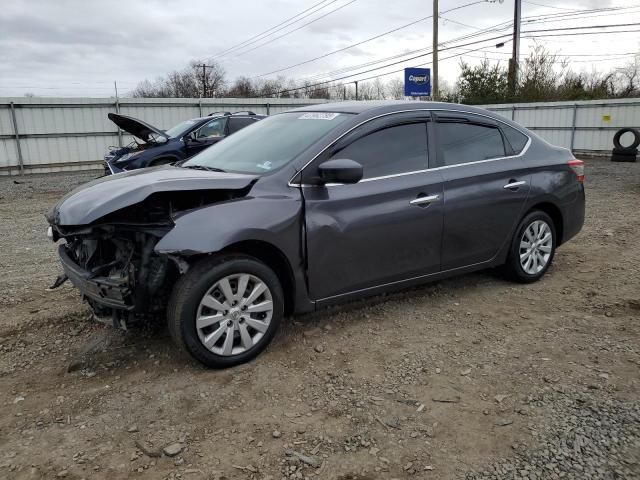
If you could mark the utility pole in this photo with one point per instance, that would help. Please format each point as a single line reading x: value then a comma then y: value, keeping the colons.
x: 515, y: 57
x: 434, y: 74
x: 115, y: 85
x: 204, y: 78
x: 204, y: 81
x: 356, y: 82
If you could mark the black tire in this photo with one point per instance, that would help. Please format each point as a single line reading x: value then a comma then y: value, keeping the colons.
x: 191, y: 288
x: 513, y: 267
x: 624, y: 155
x: 618, y: 135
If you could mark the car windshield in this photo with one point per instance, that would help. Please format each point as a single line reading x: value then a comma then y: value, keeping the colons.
x: 180, y: 129
x: 268, y: 144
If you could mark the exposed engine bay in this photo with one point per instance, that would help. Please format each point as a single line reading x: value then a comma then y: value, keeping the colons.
x: 113, y: 263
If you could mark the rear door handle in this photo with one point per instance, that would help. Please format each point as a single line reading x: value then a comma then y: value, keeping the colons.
x: 424, y: 200
x: 511, y: 185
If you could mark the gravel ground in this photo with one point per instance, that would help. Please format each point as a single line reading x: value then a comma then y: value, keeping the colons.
x: 467, y: 378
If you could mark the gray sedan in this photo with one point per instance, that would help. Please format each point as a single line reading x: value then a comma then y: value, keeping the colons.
x: 313, y: 207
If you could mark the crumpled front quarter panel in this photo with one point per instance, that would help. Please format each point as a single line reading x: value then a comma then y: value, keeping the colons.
x: 272, y: 218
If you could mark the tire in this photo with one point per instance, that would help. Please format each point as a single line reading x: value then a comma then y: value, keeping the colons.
x: 200, y: 285
x: 624, y: 155
x: 514, y: 267
x: 618, y: 135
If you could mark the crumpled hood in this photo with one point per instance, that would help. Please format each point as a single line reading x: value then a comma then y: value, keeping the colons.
x: 105, y: 195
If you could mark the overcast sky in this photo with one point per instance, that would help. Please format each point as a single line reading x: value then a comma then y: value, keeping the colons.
x: 79, y: 47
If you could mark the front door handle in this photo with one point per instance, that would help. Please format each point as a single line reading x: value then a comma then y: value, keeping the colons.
x: 512, y: 185
x: 424, y: 200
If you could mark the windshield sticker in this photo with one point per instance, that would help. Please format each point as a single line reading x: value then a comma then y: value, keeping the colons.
x: 265, y: 166
x: 318, y: 116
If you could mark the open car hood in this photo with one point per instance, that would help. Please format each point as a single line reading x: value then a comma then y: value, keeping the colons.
x: 106, y: 195
x: 136, y: 127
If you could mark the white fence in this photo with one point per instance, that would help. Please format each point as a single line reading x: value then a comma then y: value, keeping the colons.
x: 54, y: 134
x: 584, y: 127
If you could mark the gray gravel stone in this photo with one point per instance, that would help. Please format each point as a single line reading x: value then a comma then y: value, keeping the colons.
x: 584, y: 439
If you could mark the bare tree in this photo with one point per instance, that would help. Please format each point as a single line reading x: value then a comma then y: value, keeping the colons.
x: 242, y: 87
x: 395, y: 89
x: 628, y: 78
x: 380, y: 89
x: 187, y: 83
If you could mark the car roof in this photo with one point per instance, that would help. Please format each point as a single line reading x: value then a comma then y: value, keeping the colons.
x: 220, y: 115
x: 366, y: 106
x: 375, y: 107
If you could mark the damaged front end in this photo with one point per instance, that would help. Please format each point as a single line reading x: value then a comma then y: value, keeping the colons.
x: 117, y: 271
x: 112, y: 260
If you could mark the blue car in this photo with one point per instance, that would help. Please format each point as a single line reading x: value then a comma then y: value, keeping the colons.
x: 161, y: 147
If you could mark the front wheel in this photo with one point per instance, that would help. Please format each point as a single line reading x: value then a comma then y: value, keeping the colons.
x: 532, y: 248
x: 225, y: 310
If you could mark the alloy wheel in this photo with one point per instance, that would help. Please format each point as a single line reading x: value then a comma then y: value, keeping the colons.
x: 536, y: 246
x: 234, y: 314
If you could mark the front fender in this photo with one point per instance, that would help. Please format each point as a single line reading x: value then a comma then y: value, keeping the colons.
x: 274, y: 219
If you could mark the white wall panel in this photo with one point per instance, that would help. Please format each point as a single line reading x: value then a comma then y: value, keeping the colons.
x: 64, y: 131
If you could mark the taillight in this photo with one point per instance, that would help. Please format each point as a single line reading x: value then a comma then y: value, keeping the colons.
x: 578, y: 168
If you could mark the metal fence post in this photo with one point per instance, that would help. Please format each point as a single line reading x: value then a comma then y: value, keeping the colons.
x: 200, y: 107
x: 268, y: 105
x: 117, y: 105
x: 17, y: 135
x: 573, y: 126
x: 513, y: 113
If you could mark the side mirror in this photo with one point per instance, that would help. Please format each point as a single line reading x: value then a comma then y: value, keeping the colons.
x: 339, y: 171
x: 189, y: 138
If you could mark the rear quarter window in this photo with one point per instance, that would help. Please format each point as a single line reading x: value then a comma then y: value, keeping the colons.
x: 516, y: 139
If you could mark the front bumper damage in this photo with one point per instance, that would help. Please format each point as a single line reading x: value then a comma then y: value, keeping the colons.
x: 117, y: 271
x: 110, y: 228
x: 111, y: 292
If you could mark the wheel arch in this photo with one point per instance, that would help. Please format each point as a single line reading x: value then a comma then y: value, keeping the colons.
x: 275, y: 259
x: 556, y: 215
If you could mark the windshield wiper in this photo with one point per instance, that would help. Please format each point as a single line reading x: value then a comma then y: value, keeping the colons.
x: 204, y: 167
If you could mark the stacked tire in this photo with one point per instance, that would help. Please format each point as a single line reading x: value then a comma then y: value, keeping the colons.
x: 627, y: 153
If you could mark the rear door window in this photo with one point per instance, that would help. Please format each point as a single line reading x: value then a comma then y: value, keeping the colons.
x: 463, y: 141
x: 236, y: 124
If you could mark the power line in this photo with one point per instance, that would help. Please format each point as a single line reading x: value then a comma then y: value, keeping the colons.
x: 579, y: 33
x: 552, y: 6
x: 375, y: 37
x: 294, y: 30
x: 458, y: 46
x: 384, y: 66
x: 492, y: 29
x: 500, y: 26
x: 446, y: 19
x: 586, y: 27
x: 270, y: 30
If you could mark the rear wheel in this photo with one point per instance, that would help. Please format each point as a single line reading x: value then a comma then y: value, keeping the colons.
x: 226, y: 310
x: 532, y: 248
